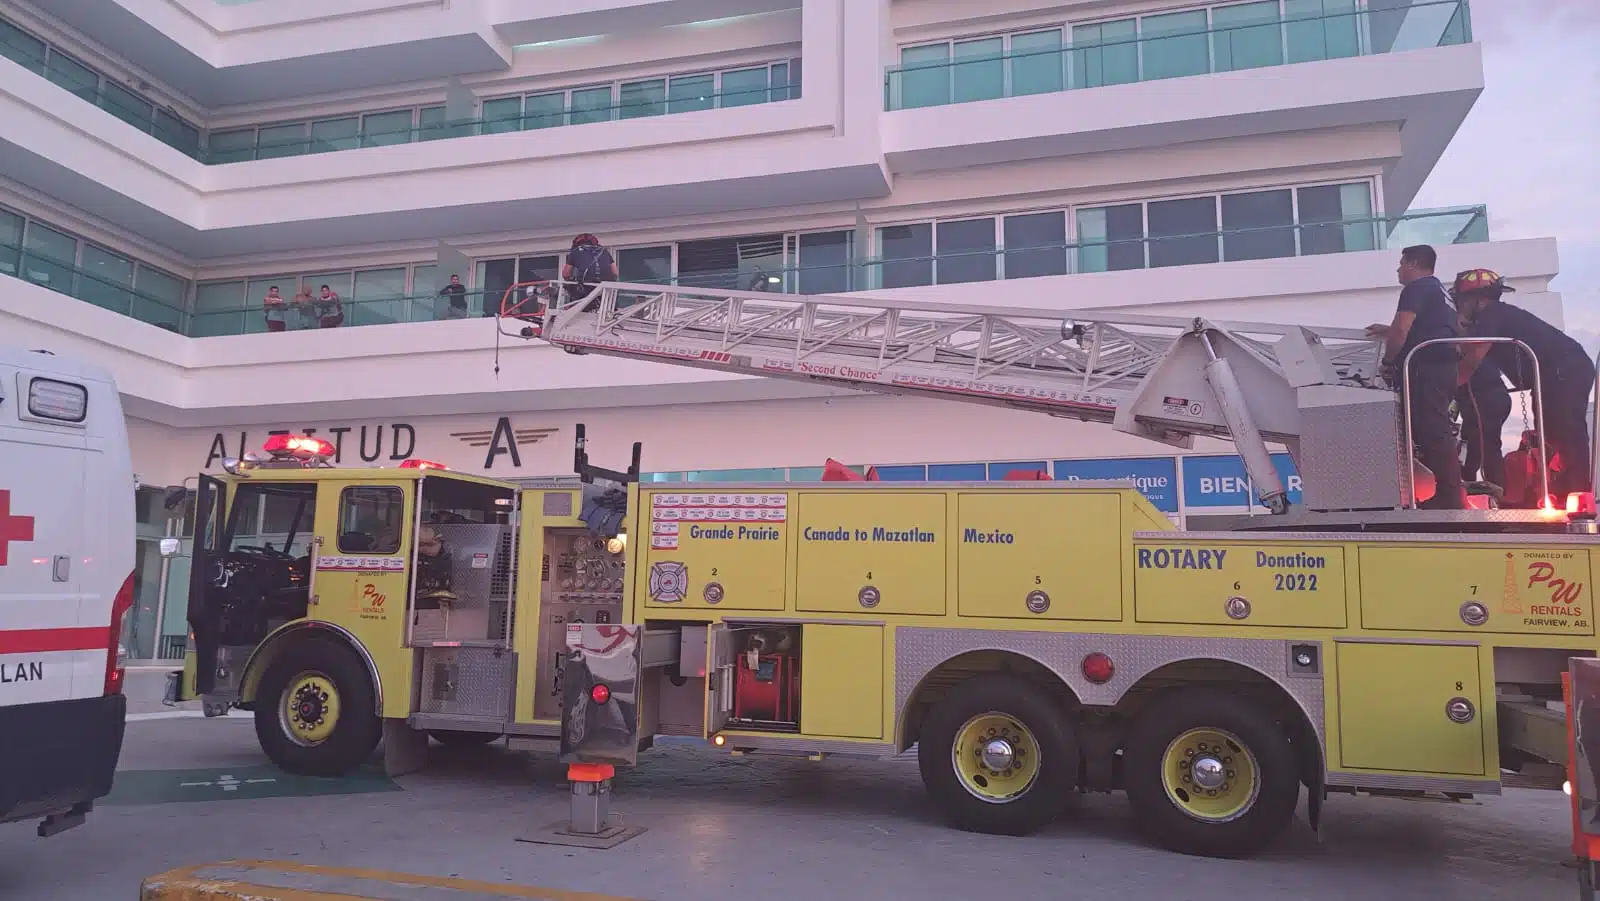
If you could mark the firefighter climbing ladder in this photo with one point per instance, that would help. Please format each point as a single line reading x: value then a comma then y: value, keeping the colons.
x: 1163, y: 378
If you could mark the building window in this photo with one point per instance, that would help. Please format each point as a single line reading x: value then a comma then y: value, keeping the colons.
x: 740, y: 264
x: 49, y: 257
x: 335, y: 134
x: 76, y: 77
x: 159, y: 298
x: 643, y: 98
x: 645, y: 265
x: 907, y: 255
x: 824, y: 262
x: 1036, y: 244
x: 383, y: 129
x: 10, y: 241
x: 22, y: 48
x: 371, y: 519
x: 219, y: 309
x: 106, y: 280
x: 278, y: 141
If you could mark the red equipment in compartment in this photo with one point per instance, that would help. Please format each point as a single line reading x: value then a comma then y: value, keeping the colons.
x: 770, y: 692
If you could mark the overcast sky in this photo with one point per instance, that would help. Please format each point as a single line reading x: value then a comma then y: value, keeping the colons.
x: 1530, y: 149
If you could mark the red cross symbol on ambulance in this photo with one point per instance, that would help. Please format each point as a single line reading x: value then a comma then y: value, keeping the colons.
x: 12, y: 528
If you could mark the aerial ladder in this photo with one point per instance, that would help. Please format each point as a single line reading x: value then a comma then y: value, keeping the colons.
x: 1316, y: 391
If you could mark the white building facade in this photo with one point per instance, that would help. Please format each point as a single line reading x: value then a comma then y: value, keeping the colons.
x: 164, y: 162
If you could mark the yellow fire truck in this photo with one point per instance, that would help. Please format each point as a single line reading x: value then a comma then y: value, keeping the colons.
x: 1029, y: 639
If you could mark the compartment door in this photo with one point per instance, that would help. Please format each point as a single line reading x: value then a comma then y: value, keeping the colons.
x: 1410, y: 708
x: 719, y: 677
x: 841, y: 681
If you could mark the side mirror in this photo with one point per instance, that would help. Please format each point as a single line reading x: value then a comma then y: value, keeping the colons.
x: 170, y: 547
x: 175, y: 497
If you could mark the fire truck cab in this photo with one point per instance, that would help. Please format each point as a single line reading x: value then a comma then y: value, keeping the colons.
x: 66, y: 586
x: 344, y: 606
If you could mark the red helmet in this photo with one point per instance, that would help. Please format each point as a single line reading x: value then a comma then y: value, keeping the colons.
x: 583, y: 239
x: 1479, y: 281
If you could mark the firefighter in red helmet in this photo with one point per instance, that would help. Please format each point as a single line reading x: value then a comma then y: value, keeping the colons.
x: 1566, y: 375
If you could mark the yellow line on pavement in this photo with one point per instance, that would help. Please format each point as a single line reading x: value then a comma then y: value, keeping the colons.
x: 270, y: 880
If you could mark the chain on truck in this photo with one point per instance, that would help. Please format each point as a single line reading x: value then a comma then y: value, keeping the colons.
x: 1030, y: 640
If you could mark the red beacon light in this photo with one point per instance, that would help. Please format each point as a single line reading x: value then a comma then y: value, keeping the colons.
x: 300, y: 447
x: 414, y: 463
x: 600, y: 694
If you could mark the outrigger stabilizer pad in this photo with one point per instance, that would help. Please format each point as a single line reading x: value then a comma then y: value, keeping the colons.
x: 589, y: 823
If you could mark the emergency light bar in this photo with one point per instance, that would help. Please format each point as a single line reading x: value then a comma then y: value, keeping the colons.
x: 301, y: 447
x: 414, y: 463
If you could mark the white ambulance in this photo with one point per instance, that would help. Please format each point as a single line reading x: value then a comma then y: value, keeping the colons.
x: 67, y: 524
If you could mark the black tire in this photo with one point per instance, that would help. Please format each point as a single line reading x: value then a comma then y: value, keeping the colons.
x: 1039, y: 803
x: 356, y: 730
x: 457, y: 739
x: 1161, y: 818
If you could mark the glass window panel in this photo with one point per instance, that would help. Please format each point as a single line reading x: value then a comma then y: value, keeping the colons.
x: 1258, y: 225
x: 1246, y: 36
x: 979, y: 72
x: 379, y: 297
x: 1105, y: 53
x: 824, y: 261
x: 544, y: 110
x: 218, y: 309
x: 10, y: 242
x: 1348, y: 205
x: 1111, y: 239
x: 1183, y: 231
x: 966, y: 251
x: 49, y: 257
x: 501, y: 115
x: 642, y: 98
x: 160, y: 298
x: 743, y: 87
x: 906, y: 253
x: 1036, y: 245
x: 383, y: 129
x: 592, y: 105
x: 541, y: 268
x: 744, y: 263
x: 689, y: 93
x: 924, y: 76
x: 431, y: 124
x: 494, y: 277
x: 1320, y: 29
x: 22, y: 48
x: 72, y: 75
x: 105, y: 279
x: 1037, y: 64
x: 645, y: 265
x: 427, y: 280
x: 1174, y: 45
x: 231, y: 146
x: 781, y: 87
x: 901, y: 473
x: 276, y: 141
x: 127, y: 106
x: 176, y: 132
x: 335, y: 134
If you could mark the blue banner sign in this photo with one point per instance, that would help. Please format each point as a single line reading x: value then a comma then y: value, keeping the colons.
x: 1155, y: 477
x: 1222, y: 481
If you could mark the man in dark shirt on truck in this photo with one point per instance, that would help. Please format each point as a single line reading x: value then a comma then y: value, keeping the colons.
x: 1566, y: 375
x: 1425, y: 313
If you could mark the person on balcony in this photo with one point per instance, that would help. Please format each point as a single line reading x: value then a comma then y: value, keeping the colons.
x: 1566, y: 374
x: 330, y: 310
x: 275, y: 307
x: 457, y: 294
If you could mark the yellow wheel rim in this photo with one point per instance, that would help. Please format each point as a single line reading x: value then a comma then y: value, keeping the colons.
x: 996, y: 757
x: 1210, y: 775
x: 309, y: 710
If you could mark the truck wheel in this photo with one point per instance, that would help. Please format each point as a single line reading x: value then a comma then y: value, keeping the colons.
x: 459, y: 739
x: 998, y: 756
x: 1210, y: 774
x: 315, y: 710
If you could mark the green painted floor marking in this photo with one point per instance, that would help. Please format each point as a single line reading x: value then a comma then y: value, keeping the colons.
x: 248, y: 783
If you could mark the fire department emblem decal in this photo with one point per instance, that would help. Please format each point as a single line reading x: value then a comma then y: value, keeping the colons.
x: 669, y: 581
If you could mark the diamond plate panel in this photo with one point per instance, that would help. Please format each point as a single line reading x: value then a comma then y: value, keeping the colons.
x: 1350, y: 457
x: 918, y: 651
x: 467, y: 681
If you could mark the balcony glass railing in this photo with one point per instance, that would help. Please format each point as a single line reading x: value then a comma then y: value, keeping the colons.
x: 1243, y: 36
x: 88, y: 285
x: 1465, y: 225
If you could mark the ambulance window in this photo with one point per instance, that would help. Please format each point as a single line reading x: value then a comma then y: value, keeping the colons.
x: 370, y: 520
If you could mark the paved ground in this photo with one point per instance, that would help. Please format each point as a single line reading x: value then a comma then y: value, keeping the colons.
x: 783, y: 830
